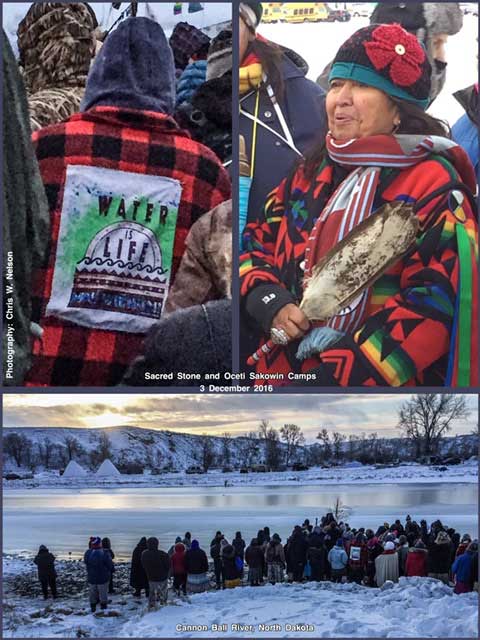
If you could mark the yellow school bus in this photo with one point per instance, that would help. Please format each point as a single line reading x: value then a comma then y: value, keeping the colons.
x: 304, y: 11
x: 272, y: 12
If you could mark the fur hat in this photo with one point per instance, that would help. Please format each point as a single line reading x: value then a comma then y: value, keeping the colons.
x: 219, y: 59
x: 388, y: 58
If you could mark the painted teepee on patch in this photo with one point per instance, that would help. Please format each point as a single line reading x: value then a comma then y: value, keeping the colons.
x: 107, y: 468
x: 74, y: 470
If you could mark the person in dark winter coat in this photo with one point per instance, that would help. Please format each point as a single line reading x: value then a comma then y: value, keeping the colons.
x: 157, y: 566
x: 99, y: 569
x: 275, y: 559
x: 296, y: 553
x: 215, y: 553
x: 255, y: 559
x: 238, y: 543
x: 440, y: 557
x: 138, y: 577
x: 230, y: 570
x: 107, y: 547
x: 416, y: 564
x: 283, y: 113
x: 187, y: 540
x: 317, y: 555
x: 462, y: 569
x: 179, y: 569
x: 196, y: 564
x: 47, y: 575
x: 91, y: 332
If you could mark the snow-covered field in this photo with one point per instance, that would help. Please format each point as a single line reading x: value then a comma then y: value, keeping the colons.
x: 414, y: 608
x: 319, y: 42
x: 404, y: 473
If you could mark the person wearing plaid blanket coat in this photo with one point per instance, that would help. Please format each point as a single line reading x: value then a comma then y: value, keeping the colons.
x: 124, y: 186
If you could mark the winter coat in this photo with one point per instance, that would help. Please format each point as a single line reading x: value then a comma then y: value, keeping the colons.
x: 208, y: 117
x: 178, y: 565
x: 192, y: 77
x: 303, y: 107
x: 138, y: 577
x: 90, y: 336
x: 374, y: 353
x: 45, y: 563
x: 317, y: 557
x: 439, y: 558
x: 155, y: 562
x: 274, y: 553
x: 230, y: 569
x: 416, y: 564
x: 239, y: 545
x: 297, y: 548
x: 216, y: 548
x: 99, y: 566
x: 196, y: 561
x: 26, y: 222
x: 402, y: 558
x: 386, y: 568
x: 361, y: 561
x: 172, y: 347
x: 205, y: 272
x: 254, y: 556
x: 462, y: 568
x: 338, y: 559
x: 465, y: 129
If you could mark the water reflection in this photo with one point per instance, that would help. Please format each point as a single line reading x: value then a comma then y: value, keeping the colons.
x: 65, y: 520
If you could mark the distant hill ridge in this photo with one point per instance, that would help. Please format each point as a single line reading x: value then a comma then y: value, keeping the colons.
x: 133, y: 449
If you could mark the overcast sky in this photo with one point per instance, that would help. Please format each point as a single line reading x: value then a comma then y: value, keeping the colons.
x: 215, y: 414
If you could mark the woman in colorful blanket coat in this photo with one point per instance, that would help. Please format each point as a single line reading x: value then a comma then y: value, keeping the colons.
x: 415, y: 325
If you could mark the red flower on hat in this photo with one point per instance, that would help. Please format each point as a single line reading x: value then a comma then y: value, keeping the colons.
x: 392, y: 45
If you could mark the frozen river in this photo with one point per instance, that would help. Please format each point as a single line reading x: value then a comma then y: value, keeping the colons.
x: 64, y: 519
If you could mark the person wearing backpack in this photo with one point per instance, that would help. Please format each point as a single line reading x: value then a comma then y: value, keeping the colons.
x: 357, y: 561
x: 275, y: 559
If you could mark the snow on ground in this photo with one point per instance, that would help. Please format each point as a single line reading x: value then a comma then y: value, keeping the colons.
x: 461, y: 49
x: 416, y: 607
x: 371, y: 474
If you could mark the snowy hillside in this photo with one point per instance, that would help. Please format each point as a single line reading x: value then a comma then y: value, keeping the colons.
x: 135, y: 450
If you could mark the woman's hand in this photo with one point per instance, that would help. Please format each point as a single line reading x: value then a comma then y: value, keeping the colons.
x: 292, y: 320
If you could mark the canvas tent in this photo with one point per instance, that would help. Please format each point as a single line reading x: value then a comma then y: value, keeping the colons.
x: 74, y: 470
x: 107, y: 468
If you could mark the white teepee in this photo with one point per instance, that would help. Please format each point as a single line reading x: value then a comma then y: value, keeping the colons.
x: 107, y: 468
x: 74, y: 470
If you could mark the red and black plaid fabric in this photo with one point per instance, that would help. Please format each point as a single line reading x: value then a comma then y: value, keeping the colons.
x: 124, y: 140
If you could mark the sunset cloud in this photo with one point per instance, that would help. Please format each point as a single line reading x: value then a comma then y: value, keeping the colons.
x: 215, y: 414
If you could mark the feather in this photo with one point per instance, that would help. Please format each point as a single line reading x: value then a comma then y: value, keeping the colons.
x: 359, y: 259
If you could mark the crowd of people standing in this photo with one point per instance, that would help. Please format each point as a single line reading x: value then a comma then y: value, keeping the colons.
x: 328, y: 551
